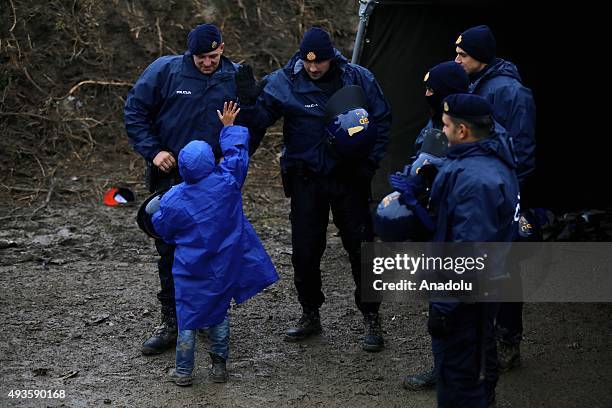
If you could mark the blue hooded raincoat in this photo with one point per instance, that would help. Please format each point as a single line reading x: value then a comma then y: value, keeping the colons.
x: 218, y: 254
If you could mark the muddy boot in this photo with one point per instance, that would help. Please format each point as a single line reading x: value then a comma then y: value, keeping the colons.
x: 491, y: 403
x: 508, y: 355
x: 308, y: 325
x: 420, y: 381
x: 218, y: 372
x: 180, y: 380
x: 163, y: 339
x: 372, y: 340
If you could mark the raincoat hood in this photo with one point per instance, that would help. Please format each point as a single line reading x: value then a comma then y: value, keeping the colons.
x: 196, y: 161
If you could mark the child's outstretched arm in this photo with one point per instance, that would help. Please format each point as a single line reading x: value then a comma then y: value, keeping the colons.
x: 234, y: 141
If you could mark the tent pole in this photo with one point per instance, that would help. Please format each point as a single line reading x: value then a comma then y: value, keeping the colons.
x: 365, y: 10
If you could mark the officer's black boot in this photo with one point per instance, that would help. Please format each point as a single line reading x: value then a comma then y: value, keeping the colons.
x: 372, y: 340
x: 308, y: 325
x: 508, y: 355
x: 218, y: 372
x: 420, y: 381
x: 491, y: 403
x: 164, y: 337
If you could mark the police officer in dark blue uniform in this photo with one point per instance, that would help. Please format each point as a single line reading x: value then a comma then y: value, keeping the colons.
x: 174, y: 102
x: 499, y: 82
x: 444, y: 79
x: 440, y: 81
x: 314, y: 177
x: 474, y: 198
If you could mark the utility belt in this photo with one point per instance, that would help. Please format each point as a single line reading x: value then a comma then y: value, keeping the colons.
x: 299, y: 168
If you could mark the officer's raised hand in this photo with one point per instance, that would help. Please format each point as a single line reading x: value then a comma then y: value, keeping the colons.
x: 247, y: 88
x: 164, y: 161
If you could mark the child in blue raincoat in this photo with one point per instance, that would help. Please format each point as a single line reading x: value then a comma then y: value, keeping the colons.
x: 218, y: 255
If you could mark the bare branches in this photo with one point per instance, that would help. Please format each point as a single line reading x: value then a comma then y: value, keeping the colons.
x: 14, y: 16
x: 47, y: 199
x: 91, y: 81
x: 159, y: 35
x: 27, y: 74
x: 70, y: 63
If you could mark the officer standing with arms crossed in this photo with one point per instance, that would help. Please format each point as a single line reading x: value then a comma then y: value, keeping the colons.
x: 174, y: 102
x: 314, y: 179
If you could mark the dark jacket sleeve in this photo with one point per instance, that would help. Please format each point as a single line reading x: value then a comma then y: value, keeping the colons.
x: 234, y: 141
x: 266, y: 111
x: 379, y: 108
x: 515, y: 108
x: 141, y: 106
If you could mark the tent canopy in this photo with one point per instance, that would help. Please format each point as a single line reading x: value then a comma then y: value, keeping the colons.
x: 404, y: 39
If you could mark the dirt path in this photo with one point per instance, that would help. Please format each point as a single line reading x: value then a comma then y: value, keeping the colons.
x: 78, y: 288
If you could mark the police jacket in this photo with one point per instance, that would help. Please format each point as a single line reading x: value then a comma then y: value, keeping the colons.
x: 475, y: 194
x: 292, y: 95
x: 514, y: 109
x: 173, y: 103
x: 475, y: 197
x: 218, y: 255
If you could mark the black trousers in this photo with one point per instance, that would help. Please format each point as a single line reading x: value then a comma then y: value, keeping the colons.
x: 157, y: 180
x: 312, y: 196
x: 462, y: 356
x: 509, y: 320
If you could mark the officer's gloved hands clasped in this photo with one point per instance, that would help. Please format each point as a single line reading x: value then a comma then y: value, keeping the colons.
x: 408, y: 186
x: 247, y: 88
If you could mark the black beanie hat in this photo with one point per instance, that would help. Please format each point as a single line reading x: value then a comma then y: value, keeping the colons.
x: 447, y: 78
x: 203, y: 39
x: 479, y: 43
x: 467, y: 106
x: 316, y: 45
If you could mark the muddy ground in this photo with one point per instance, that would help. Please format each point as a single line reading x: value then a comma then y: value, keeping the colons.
x: 78, y: 283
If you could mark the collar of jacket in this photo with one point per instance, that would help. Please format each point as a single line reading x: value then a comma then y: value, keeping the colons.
x: 493, y: 145
x: 225, y: 72
x: 499, y: 67
x: 303, y: 85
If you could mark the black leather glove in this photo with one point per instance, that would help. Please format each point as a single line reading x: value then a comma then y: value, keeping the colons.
x: 247, y: 88
x: 438, y: 323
